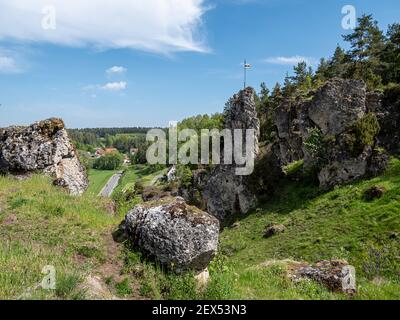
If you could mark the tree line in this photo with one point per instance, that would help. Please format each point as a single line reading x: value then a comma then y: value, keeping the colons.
x: 373, y: 56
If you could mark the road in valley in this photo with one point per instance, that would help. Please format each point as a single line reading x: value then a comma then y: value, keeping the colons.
x: 111, y: 185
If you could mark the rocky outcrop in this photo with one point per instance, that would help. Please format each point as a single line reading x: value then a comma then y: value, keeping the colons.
x: 336, y: 106
x: 226, y: 192
x: 334, y: 131
x: 43, y: 147
x: 178, y: 236
x: 338, y: 133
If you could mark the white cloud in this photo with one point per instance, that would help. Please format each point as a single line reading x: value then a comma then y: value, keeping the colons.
x: 116, y: 70
x: 291, y: 60
x: 8, y: 64
x: 161, y: 26
x: 115, y: 86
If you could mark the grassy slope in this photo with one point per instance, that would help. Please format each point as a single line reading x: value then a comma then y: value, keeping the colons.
x: 336, y: 224
x: 42, y: 225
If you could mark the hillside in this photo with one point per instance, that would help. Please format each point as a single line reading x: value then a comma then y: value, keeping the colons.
x: 42, y: 225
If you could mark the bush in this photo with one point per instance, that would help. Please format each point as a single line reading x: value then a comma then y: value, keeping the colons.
x: 110, y: 161
x: 366, y: 129
x: 85, y: 159
x: 316, y: 146
x: 184, y: 176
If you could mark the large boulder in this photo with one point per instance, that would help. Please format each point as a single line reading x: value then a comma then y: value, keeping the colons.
x: 226, y: 192
x: 43, y: 147
x: 178, y: 236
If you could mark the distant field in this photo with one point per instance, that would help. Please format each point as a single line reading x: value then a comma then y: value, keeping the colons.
x: 98, y: 179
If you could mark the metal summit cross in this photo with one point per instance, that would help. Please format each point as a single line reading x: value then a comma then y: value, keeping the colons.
x: 245, y: 67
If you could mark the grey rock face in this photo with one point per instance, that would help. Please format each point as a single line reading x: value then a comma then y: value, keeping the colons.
x: 289, y: 134
x: 178, y: 236
x: 227, y: 193
x: 43, y: 147
x: 334, y: 110
x: 337, y: 105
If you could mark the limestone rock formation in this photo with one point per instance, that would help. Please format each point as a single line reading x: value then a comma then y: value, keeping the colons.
x: 178, y: 236
x: 344, y: 132
x: 227, y: 193
x: 337, y: 105
x: 43, y: 147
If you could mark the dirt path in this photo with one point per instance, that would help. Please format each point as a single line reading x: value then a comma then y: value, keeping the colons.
x: 100, y: 284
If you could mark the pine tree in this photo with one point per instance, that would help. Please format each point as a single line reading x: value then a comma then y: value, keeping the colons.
x: 391, y: 55
x: 367, y: 43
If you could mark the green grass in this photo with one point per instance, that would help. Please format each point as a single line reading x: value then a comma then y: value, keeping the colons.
x: 338, y: 224
x: 335, y: 224
x: 42, y: 225
x: 98, y: 179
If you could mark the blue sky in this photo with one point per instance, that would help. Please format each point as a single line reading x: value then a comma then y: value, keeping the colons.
x: 180, y: 60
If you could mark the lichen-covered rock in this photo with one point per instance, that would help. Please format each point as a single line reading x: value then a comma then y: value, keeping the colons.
x: 226, y: 192
x: 178, y: 236
x: 336, y: 275
x: 43, y: 147
x: 273, y: 229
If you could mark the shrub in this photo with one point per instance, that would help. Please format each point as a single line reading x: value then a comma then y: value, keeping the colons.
x: 316, y: 146
x: 366, y: 129
x: 184, y: 176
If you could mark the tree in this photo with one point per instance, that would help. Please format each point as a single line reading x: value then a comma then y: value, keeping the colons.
x: 367, y: 43
x: 110, y: 161
x: 391, y: 55
x: 338, y: 63
x: 322, y: 73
